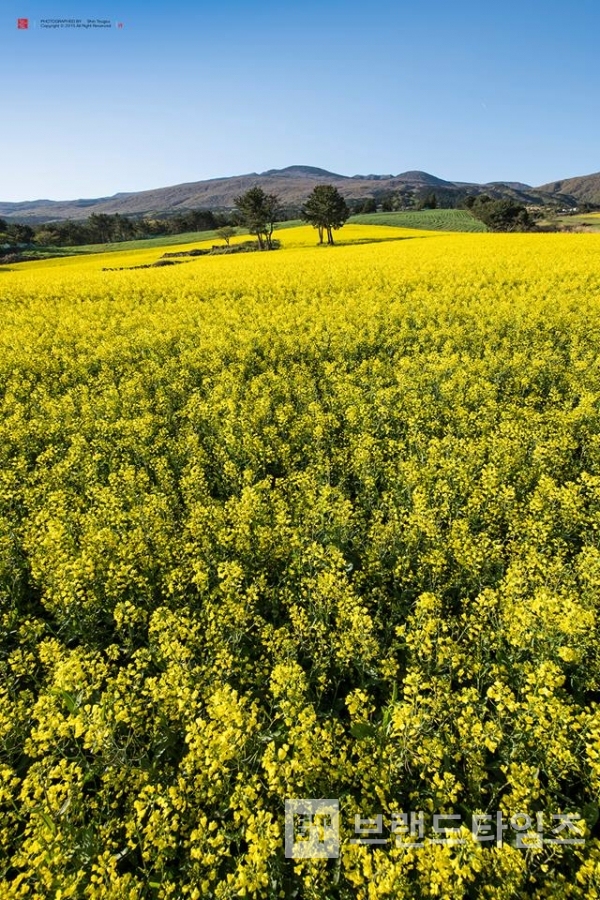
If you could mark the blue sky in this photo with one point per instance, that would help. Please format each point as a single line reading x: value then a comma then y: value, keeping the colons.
x: 472, y: 91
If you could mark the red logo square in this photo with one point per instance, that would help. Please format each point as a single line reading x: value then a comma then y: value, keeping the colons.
x: 22, y: 23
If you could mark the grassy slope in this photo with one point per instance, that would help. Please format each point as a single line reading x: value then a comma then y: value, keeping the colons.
x: 586, y: 223
x: 168, y: 240
x: 430, y: 219
x: 589, y: 221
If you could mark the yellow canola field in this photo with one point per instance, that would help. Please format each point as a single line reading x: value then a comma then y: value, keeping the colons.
x: 289, y: 238
x: 316, y: 523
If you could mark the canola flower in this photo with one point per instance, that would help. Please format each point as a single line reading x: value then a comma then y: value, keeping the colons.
x: 311, y: 523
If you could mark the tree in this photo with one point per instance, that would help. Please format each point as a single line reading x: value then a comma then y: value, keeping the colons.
x: 500, y: 215
x: 21, y: 234
x: 15, y: 235
x: 325, y: 209
x: 100, y: 225
x: 259, y: 212
x: 47, y: 236
x: 428, y: 201
x: 368, y: 206
x: 226, y: 233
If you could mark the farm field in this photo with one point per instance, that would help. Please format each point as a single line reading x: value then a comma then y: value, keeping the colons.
x: 585, y: 223
x: 589, y: 221
x: 316, y: 523
x: 428, y: 219
x: 145, y: 252
x: 166, y: 241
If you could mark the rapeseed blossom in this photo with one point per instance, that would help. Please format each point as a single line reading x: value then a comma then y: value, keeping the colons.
x: 310, y: 523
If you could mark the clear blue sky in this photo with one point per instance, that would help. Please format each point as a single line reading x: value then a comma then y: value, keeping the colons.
x: 472, y: 90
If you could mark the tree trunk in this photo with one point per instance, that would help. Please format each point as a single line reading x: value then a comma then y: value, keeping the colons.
x: 329, y: 235
x: 320, y: 229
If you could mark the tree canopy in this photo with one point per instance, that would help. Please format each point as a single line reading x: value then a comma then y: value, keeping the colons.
x: 258, y: 212
x: 500, y: 215
x: 325, y: 209
x: 226, y: 233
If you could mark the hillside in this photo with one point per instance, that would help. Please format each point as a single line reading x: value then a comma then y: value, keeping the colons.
x: 585, y: 188
x: 292, y: 184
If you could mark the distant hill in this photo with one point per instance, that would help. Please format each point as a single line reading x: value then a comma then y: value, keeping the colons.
x: 585, y: 188
x: 300, y: 171
x: 292, y: 184
x: 425, y: 179
x: 515, y: 185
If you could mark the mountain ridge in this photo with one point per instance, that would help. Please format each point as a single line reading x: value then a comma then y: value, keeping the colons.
x: 585, y: 187
x: 292, y: 184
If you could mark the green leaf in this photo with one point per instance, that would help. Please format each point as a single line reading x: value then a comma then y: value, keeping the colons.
x: 590, y: 813
x: 362, y: 731
x: 72, y: 703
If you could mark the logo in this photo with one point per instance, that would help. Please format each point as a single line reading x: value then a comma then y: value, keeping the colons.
x: 312, y: 829
x: 22, y: 24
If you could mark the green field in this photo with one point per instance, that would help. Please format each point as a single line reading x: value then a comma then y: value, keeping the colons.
x: 588, y: 221
x: 429, y: 219
x: 165, y: 240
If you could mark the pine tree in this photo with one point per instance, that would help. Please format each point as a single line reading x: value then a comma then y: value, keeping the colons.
x: 325, y: 209
x: 258, y: 211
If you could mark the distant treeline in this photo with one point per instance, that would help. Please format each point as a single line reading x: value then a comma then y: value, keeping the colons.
x: 425, y: 198
x: 102, y: 228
